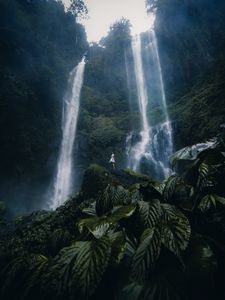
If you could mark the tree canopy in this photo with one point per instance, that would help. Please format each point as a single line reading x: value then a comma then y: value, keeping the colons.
x: 78, y: 8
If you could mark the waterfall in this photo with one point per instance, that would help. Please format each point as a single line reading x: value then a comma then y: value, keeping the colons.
x: 71, y: 103
x: 140, y: 149
x: 155, y: 143
x: 167, y: 124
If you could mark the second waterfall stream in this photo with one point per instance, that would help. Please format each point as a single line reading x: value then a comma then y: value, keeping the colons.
x: 155, y: 143
x: 71, y: 104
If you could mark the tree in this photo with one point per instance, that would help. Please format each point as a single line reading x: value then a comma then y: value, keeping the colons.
x: 78, y: 8
x: 119, y: 34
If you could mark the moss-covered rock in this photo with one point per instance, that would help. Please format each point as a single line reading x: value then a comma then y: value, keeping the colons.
x: 95, y: 179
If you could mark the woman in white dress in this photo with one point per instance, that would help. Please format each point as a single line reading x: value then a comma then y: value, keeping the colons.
x: 112, y: 160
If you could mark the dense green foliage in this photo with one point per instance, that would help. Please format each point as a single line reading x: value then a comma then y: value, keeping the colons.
x: 191, y: 42
x: 104, y: 118
x: 124, y: 235
x: 78, y: 8
x: 143, y: 240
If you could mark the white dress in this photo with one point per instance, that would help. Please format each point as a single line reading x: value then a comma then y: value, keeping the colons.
x: 112, y: 159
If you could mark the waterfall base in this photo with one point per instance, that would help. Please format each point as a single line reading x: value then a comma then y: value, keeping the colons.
x: 153, y: 159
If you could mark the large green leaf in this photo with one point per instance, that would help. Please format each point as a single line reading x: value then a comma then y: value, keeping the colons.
x: 220, y: 200
x: 90, y: 210
x: 98, y: 226
x: 118, y: 242
x: 146, y: 254
x: 210, y: 200
x: 206, y: 203
x: 80, y: 267
x: 110, y: 197
x: 121, y: 196
x: 191, y: 152
x: 170, y: 186
x: 38, y: 266
x: 131, y: 246
x: 206, y: 179
x: 159, y: 186
x: 176, y: 229
x: 135, y: 196
x: 61, y: 272
x: 104, y: 202
x: 90, y: 264
x: 148, y: 213
x: 122, y: 212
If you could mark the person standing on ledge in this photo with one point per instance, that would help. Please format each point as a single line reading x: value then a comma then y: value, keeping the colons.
x: 112, y: 161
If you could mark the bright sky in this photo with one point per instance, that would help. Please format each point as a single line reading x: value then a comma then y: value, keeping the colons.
x: 103, y: 13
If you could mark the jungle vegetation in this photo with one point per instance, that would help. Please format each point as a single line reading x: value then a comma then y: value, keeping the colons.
x: 126, y: 236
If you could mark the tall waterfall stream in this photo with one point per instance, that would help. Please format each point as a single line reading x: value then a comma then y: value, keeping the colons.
x: 155, y: 143
x: 63, y: 178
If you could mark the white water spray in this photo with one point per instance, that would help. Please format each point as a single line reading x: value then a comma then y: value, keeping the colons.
x: 155, y: 144
x: 62, y: 181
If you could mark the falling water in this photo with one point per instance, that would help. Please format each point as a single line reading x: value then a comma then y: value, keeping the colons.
x: 167, y: 125
x: 140, y: 149
x: 62, y: 182
x: 155, y: 142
